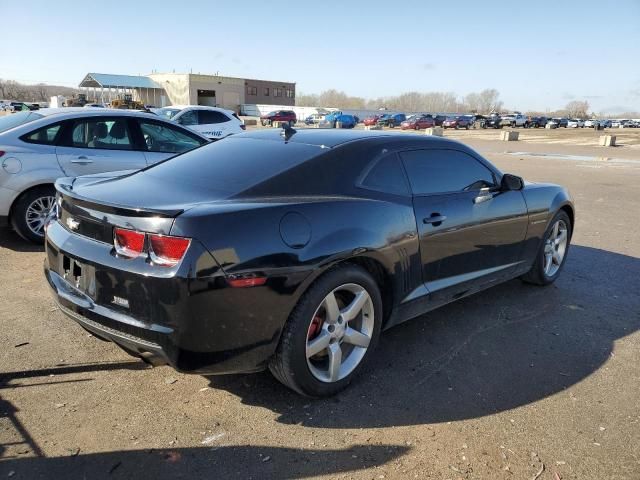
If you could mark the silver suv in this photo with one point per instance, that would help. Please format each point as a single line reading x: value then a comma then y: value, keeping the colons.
x: 38, y: 147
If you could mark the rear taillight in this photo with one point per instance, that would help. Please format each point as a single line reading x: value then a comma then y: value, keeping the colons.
x: 167, y: 251
x: 128, y: 243
x: 164, y: 250
x: 1, y: 153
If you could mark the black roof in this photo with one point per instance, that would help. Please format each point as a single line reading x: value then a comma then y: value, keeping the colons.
x: 331, y: 137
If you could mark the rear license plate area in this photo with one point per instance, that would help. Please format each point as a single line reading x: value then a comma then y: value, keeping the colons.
x: 80, y: 276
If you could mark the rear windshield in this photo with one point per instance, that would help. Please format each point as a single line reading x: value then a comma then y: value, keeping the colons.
x: 11, y: 121
x: 234, y: 164
x: 167, y: 113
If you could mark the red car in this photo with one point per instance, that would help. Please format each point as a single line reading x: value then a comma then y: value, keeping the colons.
x: 416, y: 122
x: 373, y: 120
x: 279, y: 116
x: 463, y: 121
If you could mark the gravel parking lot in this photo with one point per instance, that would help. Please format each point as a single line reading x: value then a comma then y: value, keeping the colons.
x: 519, y: 382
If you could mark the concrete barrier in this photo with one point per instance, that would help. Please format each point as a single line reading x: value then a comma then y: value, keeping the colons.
x: 608, y: 141
x: 435, y: 131
x: 509, y: 136
x: 251, y: 122
x: 550, y: 126
x: 372, y: 127
x: 279, y: 124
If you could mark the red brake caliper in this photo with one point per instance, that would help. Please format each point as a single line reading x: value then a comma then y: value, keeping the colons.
x: 315, y: 327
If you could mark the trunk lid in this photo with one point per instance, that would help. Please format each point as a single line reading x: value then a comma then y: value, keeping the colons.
x: 93, y: 205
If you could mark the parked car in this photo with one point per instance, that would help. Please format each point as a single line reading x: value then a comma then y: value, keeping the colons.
x: 493, y: 121
x: 17, y: 107
x: 212, y: 122
x: 279, y: 116
x: 591, y: 123
x: 196, y: 254
x: 557, y: 122
x: 314, y: 119
x: 575, y: 123
x: 536, y: 122
x: 331, y: 117
x: 344, y: 120
x: 36, y: 148
x: 514, y: 120
x: 372, y: 120
x: 628, y: 124
x: 417, y: 122
x: 391, y: 119
x: 439, y: 119
x: 462, y: 121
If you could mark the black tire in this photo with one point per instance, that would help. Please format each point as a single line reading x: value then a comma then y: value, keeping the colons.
x: 292, y: 123
x: 392, y: 125
x: 289, y: 364
x: 536, y: 275
x: 19, y: 212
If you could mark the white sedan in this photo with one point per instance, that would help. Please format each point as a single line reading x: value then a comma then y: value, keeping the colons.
x: 575, y: 123
x: 37, y: 148
x: 212, y: 122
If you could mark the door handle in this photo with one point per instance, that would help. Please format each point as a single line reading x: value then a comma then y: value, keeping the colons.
x: 82, y: 160
x: 435, y: 219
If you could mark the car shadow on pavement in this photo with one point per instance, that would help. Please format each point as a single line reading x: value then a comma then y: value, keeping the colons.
x: 241, y: 461
x: 63, y: 369
x: 12, y: 241
x: 509, y: 346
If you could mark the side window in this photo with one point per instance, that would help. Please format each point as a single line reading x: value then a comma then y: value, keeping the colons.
x: 189, y: 118
x: 166, y: 139
x: 110, y: 134
x: 43, y: 136
x: 441, y: 171
x: 385, y: 175
x: 206, y: 117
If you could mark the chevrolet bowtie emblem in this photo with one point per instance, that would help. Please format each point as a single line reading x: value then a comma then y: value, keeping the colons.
x: 72, y: 224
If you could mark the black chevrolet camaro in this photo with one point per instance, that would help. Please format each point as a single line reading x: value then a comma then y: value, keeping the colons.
x: 292, y: 250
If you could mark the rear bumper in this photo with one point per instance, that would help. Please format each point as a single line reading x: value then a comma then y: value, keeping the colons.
x: 193, y: 322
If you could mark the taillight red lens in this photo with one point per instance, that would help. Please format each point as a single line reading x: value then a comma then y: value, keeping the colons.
x: 128, y: 243
x: 1, y: 153
x: 167, y: 251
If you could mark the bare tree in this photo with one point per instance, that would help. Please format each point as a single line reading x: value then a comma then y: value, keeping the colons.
x: 577, y: 109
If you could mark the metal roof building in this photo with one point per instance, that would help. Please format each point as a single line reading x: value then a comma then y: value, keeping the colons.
x: 162, y: 89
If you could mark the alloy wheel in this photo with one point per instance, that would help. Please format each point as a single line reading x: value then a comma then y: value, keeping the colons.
x: 37, y: 214
x: 340, y: 332
x: 555, y: 248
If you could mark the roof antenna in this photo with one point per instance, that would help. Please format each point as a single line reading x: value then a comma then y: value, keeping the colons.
x: 287, y: 131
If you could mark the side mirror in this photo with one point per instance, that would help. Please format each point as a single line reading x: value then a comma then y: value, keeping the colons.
x: 511, y: 182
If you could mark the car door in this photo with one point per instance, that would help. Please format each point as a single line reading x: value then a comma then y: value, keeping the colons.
x: 98, y: 144
x: 162, y: 140
x: 471, y: 233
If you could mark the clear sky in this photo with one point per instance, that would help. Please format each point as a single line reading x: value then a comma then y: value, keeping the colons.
x: 539, y: 54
